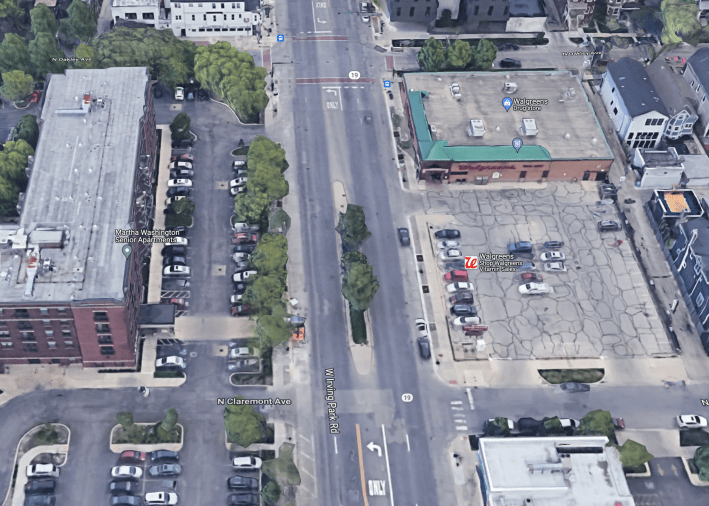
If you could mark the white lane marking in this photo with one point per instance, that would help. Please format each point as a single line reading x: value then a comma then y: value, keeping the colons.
x: 470, y: 399
x: 386, y: 455
x: 456, y: 402
x: 457, y: 409
x: 462, y: 428
x: 408, y: 446
x: 301, y: 435
x: 306, y: 456
x: 335, y: 445
x: 377, y: 487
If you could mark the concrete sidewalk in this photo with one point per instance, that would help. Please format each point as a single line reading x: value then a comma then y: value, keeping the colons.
x: 659, y: 442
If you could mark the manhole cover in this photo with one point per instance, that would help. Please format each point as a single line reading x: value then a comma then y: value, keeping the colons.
x: 218, y: 270
x: 424, y: 288
x: 419, y: 258
x: 222, y: 185
x: 193, y: 354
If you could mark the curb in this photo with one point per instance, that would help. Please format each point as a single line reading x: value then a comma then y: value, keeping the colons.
x: 693, y: 478
x: 120, y: 447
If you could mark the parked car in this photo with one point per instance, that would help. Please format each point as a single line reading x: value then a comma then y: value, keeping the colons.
x: 174, y: 260
x: 573, y: 387
x: 240, y: 257
x: 176, y: 270
x: 243, y: 499
x: 179, y: 191
x: 242, y: 172
x: 162, y: 455
x: 519, y: 247
x: 466, y: 320
x: 177, y: 241
x: 244, y: 238
x: 608, y: 226
x: 239, y: 181
x: 447, y: 244
x: 242, y: 276
x: 461, y: 298
x: 464, y: 310
x: 239, y: 352
x: 569, y: 423
x: 165, y: 470
x: 202, y: 94
x: 43, y: 486
x: 404, y: 238
x: 172, y: 200
x: 421, y: 327
x: 244, y: 248
x: 456, y: 276
x: 618, y: 423
x: 450, y: 254
x: 455, y: 265
x: 160, y: 498
x: 169, y: 251
x: 179, y: 93
x: 551, y: 256
x: 249, y: 462
x: 121, y: 487
x: 132, y: 456
x: 174, y: 183
x: 534, y: 289
x: 240, y: 287
x: 527, y: 266
x: 242, y: 483
x: 42, y: 471
x: 190, y: 95
x: 241, y: 265
x: 459, y: 287
x: 531, y: 276
x: 240, y: 310
x: 607, y: 191
x: 244, y: 365
x: 424, y: 347
x: 236, y: 298
x: 182, y: 143
x: 184, y: 157
x: 172, y: 361
x: 691, y: 421
x: 508, y: 46
x: 130, y: 472
x: 40, y: 500
x: 180, y: 229
x: 125, y: 500
x: 554, y: 267
x: 238, y: 164
x: 237, y: 190
x: 510, y: 63
x: 175, y: 284
x: 181, y: 174
x: 180, y: 164
x: 447, y: 233
x: 180, y: 303
x: 553, y: 244
x: 244, y: 227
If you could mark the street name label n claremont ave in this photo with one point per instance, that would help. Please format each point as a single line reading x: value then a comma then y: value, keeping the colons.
x: 233, y: 401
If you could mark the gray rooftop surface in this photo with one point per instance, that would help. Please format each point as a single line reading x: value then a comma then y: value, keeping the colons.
x: 82, y: 181
x: 700, y: 63
x: 635, y: 87
x: 526, y: 8
x: 672, y: 89
x: 482, y: 94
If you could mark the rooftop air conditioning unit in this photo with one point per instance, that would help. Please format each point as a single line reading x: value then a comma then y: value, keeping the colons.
x: 432, y: 128
x: 476, y: 128
x: 510, y: 88
x: 529, y: 127
x: 455, y: 91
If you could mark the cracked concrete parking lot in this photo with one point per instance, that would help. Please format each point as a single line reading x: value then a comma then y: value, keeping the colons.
x: 599, y: 307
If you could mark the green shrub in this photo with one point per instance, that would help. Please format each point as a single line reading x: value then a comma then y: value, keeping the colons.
x: 359, y: 327
x: 174, y: 220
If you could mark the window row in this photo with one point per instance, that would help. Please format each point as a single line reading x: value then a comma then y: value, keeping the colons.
x: 654, y: 121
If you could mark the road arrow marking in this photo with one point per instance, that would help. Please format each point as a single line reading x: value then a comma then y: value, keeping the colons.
x: 321, y: 21
x: 372, y: 447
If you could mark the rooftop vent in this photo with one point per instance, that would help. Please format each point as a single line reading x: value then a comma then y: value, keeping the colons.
x: 569, y: 94
x: 85, y: 107
x: 529, y: 127
x: 476, y: 128
x: 31, y: 273
x: 455, y: 91
x: 545, y: 467
x: 509, y: 88
x: 432, y: 128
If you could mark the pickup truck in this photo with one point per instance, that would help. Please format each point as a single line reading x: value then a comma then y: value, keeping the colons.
x: 519, y: 247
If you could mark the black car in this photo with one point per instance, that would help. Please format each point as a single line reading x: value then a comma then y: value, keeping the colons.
x: 202, y: 94
x: 239, y: 288
x: 244, y: 248
x: 176, y: 260
x: 175, y: 284
x: 157, y: 90
x: 553, y: 244
x: 404, y: 238
x: 181, y: 174
x: 243, y: 499
x: 41, y: 500
x: 608, y: 226
x: 164, y: 455
x: 165, y: 470
x: 44, y: 486
x: 241, y: 173
x: 180, y: 229
x: 169, y: 251
x: 447, y: 233
x: 182, y: 143
x: 123, y: 488
x: 179, y: 191
x: 242, y: 483
x: 458, y: 265
x: 510, y: 63
x: 462, y: 298
x: 608, y: 191
x: 574, y: 387
x: 464, y: 310
x: 508, y: 46
x: 126, y: 500
x: 424, y: 347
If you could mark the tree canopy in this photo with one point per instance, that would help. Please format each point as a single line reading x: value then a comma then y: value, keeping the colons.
x: 271, y: 255
x: 483, y: 55
x: 431, y: 56
x: 633, y: 455
x: 353, y: 258
x: 352, y: 227
x: 264, y: 293
x: 459, y: 55
x: 85, y: 58
x: 263, y: 150
x: 46, y: 56
x: 272, y: 330
x: 701, y: 460
x: 359, y: 286
x: 13, y: 178
x: 243, y: 425
x: 251, y: 206
x: 597, y: 423
x: 27, y: 130
x: 81, y: 23
x: 43, y: 20
x: 14, y: 55
x: 180, y: 126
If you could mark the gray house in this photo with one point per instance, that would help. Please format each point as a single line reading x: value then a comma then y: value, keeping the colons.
x: 696, y: 74
x: 413, y: 11
x: 676, y: 96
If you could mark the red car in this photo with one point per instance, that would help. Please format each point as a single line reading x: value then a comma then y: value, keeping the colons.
x: 133, y: 456
x: 185, y: 157
x: 181, y: 304
x: 456, y: 276
x: 531, y: 276
x: 36, y: 95
x: 676, y: 60
x: 240, y: 310
x: 244, y: 238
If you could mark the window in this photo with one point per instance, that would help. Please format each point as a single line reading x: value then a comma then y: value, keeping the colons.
x: 105, y: 339
x: 66, y: 333
x: 428, y: 11
x: 100, y: 316
x: 648, y: 122
x: 398, y: 11
x: 22, y: 313
x: 149, y: 15
x: 32, y: 347
x: 654, y: 136
x: 131, y: 15
x: 23, y: 325
x: 205, y: 17
x: 523, y: 174
x: 199, y: 5
x: 214, y: 17
x: 475, y: 12
x: 700, y: 300
x: 233, y: 6
x: 507, y: 11
x: 4, y: 333
x: 232, y: 17
x: 44, y: 310
x: 612, y: 102
x: 6, y: 344
x: 222, y: 6
x: 224, y: 17
x: 28, y: 336
x: 47, y: 322
x: 192, y: 17
x: 660, y: 121
x: 545, y: 174
x: 704, y: 97
x: 49, y: 333
x: 102, y: 328
x: 191, y: 5
x: 489, y: 11
x: 411, y: 12
x: 107, y: 350
x: 630, y: 135
x: 697, y: 90
x: 68, y: 344
x: 615, y: 110
x: 214, y: 6
x: 3, y: 324
x: 52, y: 344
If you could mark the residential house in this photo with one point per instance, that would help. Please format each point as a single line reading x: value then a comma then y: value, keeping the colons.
x: 419, y: 11
x: 696, y: 74
x: 487, y: 12
x: 634, y: 106
x: 677, y: 97
x: 658, y: 169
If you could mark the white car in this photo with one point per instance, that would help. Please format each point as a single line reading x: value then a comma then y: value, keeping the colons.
x: 421, y: 327
x: 160, y: 498
x: 241, y: 352
x: 179, y: 93
x: 236, y: 298
x: 42, y: 470
x: 466, y: 320
x: 363, y: 7
x: 451, y: 253
x: 178, y: 183
x: 548, y: 256
x: 180, y: 165
x: 240, y: 257
x: 126, y: 472
x: 459, y: 287
x: 447, y: 244
x: 365, y: 19
x: 242, y: 276
x: 534, y: 288
x: 176, y: 240
x: 239, y: 181
x: 170, y: 362
x: 691, y: 421
x: 569, y: 422
x: 555, y: 267
x: 244, y: 227
x: 176, y: 270
x: 249, y: 462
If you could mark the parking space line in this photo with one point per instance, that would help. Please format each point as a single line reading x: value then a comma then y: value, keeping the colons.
x: 306, y: 472
x: 306, y: 456
x: 301, y: 435
x: 335, y: 445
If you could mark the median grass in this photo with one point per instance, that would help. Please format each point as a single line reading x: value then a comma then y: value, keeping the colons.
x: 558, y: 376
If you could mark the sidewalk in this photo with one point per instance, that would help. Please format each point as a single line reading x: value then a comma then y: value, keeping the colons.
x: 154, y: 288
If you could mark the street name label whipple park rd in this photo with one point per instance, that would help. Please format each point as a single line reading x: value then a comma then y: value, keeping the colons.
x: 330, y: 398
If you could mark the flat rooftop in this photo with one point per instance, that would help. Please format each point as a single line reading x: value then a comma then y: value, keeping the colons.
x: 521, y: 468
x: 567, y: 125
x: 82, y: 183
x: 674, y: 202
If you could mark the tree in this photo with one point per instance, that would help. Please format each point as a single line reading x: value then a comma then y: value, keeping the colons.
x: 269, y: 180
x: 483, y: 55
x: 125, y: 418
x: 597, y: 423
x: 86, y: 58
x: 353, y: 258
x: 9, y: 9
x: 500, y: 427
x: 353, y: 227
x: 251, y: 206
x: 263, y: 150
x: 27, y: 130
x: 272, y: 330
x: 552, y: 427
x: 183, y: 206
x: 180, y: 126
x: 271, y: 493
x: 633, y: 455
x: 431, y: 56
x: 280, y: 221
x: 459, y: 55
x: 701, y: 460
x: 169, y: 59
x: 46, y: 56
x: 43, y: 20
x: 243, y: 425
x: 14, y: 55
x: 17, y: 85
x: 263, y: 293
x: 271, y: 255
x: 170, y: 420
x: 13, y: 163
x: 359, y: 286
x: 680, y: 20
x: 81, y: 23
x: 282, y: 469
x: 231, y: 74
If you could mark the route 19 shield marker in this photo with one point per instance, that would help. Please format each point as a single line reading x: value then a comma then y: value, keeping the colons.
x: 407, y: 397
x: 354, y: 75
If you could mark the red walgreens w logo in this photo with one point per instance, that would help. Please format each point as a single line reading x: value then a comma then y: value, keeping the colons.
x: 471, y: 262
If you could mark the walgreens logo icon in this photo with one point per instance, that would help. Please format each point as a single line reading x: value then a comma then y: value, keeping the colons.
x: 471, y: 262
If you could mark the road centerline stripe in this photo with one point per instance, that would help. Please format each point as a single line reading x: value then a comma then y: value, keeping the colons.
x: 361, y: 466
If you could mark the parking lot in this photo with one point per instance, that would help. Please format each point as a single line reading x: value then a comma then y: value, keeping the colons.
x: 599, y: 307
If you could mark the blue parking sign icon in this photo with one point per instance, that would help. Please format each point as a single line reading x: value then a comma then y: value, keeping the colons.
x: 280, y: 38
x: 387, y: 84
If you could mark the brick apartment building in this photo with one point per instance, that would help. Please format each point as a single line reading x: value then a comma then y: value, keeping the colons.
x: 68, y: 294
